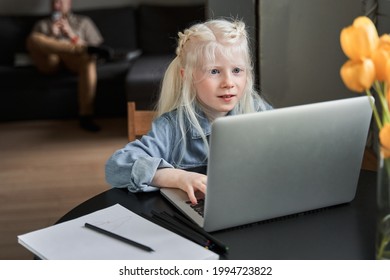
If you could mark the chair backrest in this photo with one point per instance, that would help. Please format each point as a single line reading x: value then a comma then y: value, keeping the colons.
x: 138, y: 122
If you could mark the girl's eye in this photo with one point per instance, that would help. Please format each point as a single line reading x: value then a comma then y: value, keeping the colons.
x: 237, y: 70
x: 214, y: 71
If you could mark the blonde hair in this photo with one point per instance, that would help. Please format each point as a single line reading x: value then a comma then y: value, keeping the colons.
x: 198, y: 45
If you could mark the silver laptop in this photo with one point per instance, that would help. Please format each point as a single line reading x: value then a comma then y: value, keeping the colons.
x: 285, y: 161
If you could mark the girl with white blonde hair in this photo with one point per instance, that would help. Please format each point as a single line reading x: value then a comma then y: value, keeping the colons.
x: 211, y: 77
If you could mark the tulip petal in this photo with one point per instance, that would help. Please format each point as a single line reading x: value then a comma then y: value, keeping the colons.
x: 358, y: 76
x: 380, y: 58
x: 359, y: 40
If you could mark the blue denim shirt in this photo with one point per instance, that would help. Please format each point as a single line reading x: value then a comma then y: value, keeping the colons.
x: 134, y: 166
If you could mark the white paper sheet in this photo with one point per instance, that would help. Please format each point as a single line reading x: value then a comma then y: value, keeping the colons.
x: 72, y: 241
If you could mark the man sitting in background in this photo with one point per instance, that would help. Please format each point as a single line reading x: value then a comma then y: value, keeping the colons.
x: 69, y: 40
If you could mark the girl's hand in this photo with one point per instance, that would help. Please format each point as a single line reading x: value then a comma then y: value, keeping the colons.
x: 190, y: 182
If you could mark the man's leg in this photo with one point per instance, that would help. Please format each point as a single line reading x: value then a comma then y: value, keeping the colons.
x: 85, y: 66
x: 49, y: 45
x: 47, y: 53
x: 46, y: 62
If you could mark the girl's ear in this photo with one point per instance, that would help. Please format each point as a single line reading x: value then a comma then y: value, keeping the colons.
x: 182, y: 73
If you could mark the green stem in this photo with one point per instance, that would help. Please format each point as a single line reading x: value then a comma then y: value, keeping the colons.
x: 380, y: 89
x: 381, y: 251
x: 376, y: 115
x: 383, y: 203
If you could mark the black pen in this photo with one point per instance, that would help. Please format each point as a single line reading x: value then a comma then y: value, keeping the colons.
x: 116, y: 236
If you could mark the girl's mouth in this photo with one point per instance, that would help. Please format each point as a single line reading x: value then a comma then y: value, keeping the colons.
x: 227, y: 97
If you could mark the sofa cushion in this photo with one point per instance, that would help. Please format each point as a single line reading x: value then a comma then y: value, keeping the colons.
x: 162, y: 23
x: 9, y: 36
x: 144, y: 78
x: 13, y: 33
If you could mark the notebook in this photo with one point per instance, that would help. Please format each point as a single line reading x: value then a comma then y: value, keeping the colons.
x: 285, y: 161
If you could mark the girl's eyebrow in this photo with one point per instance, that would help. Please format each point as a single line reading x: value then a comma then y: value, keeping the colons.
x: 220, y: 66
x: 209, y: 67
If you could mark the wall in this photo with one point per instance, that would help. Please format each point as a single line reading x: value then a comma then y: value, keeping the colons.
x: 42, y: 6
x: 243, y: 10
x: 383, y: 18
x: 300, y: 49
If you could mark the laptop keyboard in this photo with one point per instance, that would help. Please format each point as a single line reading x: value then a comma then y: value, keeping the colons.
x: 199, y: 207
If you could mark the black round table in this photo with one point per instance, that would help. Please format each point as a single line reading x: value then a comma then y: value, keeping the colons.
x: 342, y: 232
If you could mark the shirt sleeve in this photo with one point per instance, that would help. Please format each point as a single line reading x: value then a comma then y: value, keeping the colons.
x: 42, y: 26
x: 134, y: 166
x: 90, y: 33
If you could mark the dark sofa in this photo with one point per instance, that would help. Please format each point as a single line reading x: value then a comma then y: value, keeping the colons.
x: 147, y: 29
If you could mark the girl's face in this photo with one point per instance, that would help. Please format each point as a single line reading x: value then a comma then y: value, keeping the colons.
x: 221, y: 85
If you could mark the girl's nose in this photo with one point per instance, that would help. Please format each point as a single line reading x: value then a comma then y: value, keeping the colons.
x: 227, y: 81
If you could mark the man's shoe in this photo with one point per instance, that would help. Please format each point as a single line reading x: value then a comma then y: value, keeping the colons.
x: 100, y: 52
x: 87, y: 123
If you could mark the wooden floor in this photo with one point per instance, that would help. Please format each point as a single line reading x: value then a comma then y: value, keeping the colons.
x: 46, y: 169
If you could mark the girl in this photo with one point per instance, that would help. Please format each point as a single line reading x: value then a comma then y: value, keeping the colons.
x: 210, y: 77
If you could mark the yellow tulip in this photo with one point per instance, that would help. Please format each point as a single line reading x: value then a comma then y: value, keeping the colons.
x: 380, y: 59
x: 384, y: 41
x: 381, y: 56
x: 358, y: 75
x: 359, y: 40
